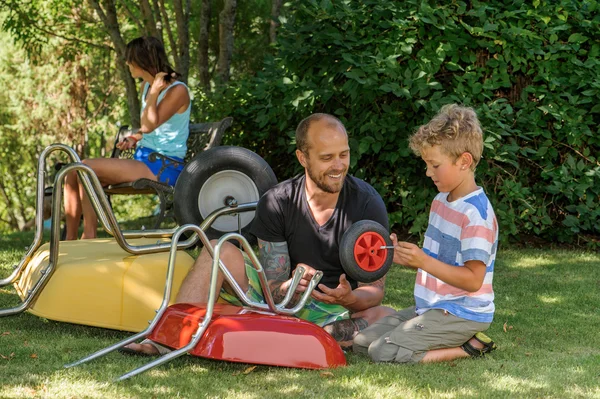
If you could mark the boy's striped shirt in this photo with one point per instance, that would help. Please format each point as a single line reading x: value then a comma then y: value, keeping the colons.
x: 458, y: 231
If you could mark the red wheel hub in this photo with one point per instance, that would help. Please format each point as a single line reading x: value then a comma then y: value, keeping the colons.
x: 368, y: 253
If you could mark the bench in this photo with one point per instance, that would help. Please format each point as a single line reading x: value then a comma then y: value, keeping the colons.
x: 202, y: 137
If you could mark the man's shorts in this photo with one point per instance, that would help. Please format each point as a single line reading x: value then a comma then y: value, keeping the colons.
x: 171, y: 171
x: 406, y: 337
x: 314, y: 311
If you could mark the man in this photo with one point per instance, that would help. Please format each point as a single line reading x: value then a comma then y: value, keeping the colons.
x: 301, y: 222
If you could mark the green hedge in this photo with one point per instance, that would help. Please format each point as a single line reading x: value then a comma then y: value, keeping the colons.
x: 530, y: 69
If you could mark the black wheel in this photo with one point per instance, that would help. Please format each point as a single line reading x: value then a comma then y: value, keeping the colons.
x: 214, y: 178
x: 360, y: 251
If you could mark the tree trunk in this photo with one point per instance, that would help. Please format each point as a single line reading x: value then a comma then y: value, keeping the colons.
x: 109, y: 19
x: 148, y: 18
x: 13, y: 220
x: 226, y: 23
x: 203, y: 44
x: 159, y: 23
x: 167, y: 26
x: 275, y: 11
x: 182, y: 16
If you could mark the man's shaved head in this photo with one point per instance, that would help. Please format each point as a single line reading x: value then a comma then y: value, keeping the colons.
x: 302, y: 129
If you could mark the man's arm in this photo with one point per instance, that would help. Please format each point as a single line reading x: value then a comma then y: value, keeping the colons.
x: 275, y: 259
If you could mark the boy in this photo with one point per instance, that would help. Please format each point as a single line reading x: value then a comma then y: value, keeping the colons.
x: 453, y: 289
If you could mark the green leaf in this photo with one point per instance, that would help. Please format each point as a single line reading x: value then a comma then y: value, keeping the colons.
x: 577, y: 38
x: 363, y: 147
x: 571, y: 221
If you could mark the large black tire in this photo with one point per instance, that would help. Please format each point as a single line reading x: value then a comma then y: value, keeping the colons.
x: 360, y: 253
x: 216, y: 175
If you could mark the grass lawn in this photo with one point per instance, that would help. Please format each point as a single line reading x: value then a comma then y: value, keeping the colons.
x: 547, y: 329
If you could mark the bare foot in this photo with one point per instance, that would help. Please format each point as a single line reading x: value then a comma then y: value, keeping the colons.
x: 146, y: 349
x: 346, y: 345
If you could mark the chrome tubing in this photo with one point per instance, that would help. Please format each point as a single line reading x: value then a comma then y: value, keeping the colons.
x: 39, y: 213
x: 217, y: 265
x: 164, y: 304
x: 102, y: 207
x: 167, y: 233
x: 212, y: 297
x: 104, y: 211
x: 270, y: 305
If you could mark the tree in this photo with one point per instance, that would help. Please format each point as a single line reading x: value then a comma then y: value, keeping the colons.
x: 203, y: 44
x: 226, y: 22
x: 74, y: 85
x: 275, y: 11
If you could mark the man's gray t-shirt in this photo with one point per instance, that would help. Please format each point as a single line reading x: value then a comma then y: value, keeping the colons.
x: 283, y: 214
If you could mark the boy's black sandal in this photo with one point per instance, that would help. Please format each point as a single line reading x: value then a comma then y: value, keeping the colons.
x: 488, y: 345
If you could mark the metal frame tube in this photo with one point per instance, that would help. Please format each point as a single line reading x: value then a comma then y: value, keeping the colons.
x: 212, y: 298
x: 39, y: 216
x: 103, y: 209
x: 217, y: 265
x: 164, y: 304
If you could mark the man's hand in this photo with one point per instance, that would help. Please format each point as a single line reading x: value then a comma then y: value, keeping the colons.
x: 309, y: 272
x: 407, y: 254
x: 340, y: 295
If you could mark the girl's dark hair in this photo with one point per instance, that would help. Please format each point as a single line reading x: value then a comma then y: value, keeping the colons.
x: 148, y: 53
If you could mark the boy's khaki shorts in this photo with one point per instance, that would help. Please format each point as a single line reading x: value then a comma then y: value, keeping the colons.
x: 405, y: 337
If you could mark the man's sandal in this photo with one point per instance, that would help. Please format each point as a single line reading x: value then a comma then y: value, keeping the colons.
x: 488, y: 345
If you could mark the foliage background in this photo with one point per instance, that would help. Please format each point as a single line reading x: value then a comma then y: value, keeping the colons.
x: 530, y: 69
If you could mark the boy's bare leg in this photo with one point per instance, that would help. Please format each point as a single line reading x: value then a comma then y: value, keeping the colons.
x: 447, y: 354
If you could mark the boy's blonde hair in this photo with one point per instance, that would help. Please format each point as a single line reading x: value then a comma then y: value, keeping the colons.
x: 455, y: 129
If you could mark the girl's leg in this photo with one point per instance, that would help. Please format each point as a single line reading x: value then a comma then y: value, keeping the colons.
x: 109, y: 171
x: 72, y: 202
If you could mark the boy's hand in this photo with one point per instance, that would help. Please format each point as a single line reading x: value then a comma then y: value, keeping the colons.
x: 407, y: 254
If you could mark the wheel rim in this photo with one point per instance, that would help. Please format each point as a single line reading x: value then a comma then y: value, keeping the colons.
x: 224, y: 185
x: 367, y: 252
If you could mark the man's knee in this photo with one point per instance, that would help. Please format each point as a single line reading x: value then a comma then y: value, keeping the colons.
x: 229, y: 254
x: 233, y: 260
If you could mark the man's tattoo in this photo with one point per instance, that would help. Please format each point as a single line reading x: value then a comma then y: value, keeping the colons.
x: 346, y: 330
x: 377, y: 283
x: 275, y: 258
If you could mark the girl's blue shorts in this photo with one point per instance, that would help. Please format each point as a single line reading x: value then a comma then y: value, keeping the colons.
x: 169, y: 173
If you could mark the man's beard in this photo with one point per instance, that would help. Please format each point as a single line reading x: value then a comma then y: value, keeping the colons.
x: 323, y: 185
